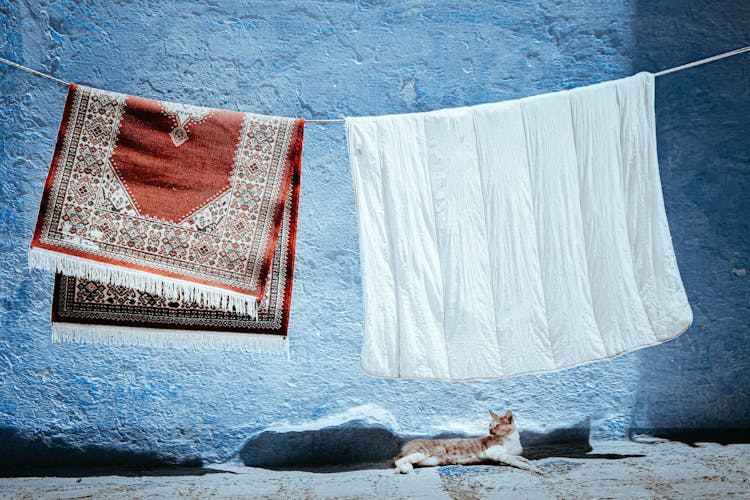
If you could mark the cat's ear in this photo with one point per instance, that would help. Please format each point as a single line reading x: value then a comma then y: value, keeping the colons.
x: 509, y: 416
x: 494, y: 417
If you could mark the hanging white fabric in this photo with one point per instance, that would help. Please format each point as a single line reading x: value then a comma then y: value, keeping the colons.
x: 518, y: 237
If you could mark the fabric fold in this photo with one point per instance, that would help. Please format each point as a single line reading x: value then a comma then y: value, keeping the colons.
x: 573, y: 331
x: 520, y: 313
x: 655, y: 266
x: 468, y: 301
x: 518, y: 237
x: 617, y: 304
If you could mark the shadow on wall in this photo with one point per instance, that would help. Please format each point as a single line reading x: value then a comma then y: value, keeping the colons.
x: 697, y: 387
x: 692, y: 437
x: 55, y: 457
x: 356, y: 445
x: 353, y: 445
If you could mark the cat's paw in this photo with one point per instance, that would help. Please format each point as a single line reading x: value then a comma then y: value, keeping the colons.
x: 403, y: 469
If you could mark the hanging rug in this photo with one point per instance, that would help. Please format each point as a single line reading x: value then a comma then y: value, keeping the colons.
x: 170, y: 199
x: 179, y: 203
x: 89, y: 311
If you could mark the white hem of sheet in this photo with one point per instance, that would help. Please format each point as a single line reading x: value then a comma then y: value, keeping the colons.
x: 532, y: 372
x: 154, y: 284
x: 183, y: 339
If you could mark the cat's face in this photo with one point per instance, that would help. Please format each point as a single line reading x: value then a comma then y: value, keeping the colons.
x: 502, y: 426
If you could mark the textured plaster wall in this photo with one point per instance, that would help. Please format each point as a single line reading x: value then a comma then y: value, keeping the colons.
x: 702, y: 379
x: 330, y: 59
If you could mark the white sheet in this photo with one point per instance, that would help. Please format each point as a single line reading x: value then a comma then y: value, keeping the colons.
x: 517, y: 237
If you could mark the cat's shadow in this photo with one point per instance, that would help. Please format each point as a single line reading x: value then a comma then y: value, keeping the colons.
x: 568, y: 442
x: 356, y: 445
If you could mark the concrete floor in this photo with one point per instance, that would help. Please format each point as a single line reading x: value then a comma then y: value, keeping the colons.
x: 657, y: 469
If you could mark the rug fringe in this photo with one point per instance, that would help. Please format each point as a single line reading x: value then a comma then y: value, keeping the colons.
x: 154, y: 284
x: 184, y: 339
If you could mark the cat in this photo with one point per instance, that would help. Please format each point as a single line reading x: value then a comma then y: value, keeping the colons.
x: 502, y: 445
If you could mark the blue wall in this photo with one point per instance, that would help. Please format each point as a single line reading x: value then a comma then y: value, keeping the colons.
x: 330, y: 59
x: 702, y: 379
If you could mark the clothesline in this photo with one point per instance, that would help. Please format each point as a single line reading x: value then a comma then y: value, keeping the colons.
x: 341, y: 120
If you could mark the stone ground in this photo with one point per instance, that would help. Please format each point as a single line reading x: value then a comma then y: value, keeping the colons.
x: 645, y: 469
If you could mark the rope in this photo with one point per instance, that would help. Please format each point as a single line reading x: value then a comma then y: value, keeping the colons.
x: 703, y: 61
x: 335, y: 120
x: 33, y: 71
x: 340, y: 120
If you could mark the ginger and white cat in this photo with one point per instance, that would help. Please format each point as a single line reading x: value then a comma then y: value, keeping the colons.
x: 503, y: 445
